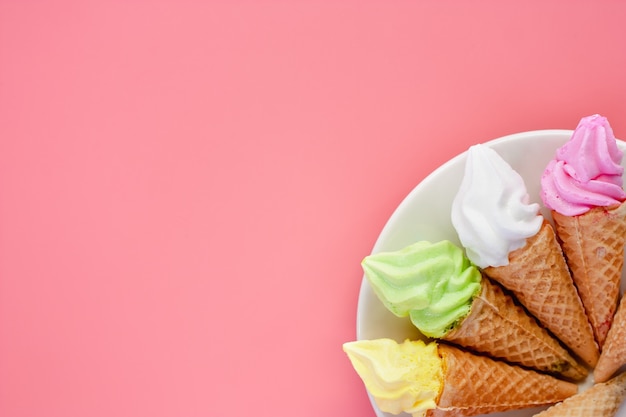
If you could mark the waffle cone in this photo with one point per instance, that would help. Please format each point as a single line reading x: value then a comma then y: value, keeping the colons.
x: 538, y: 276
x: 601, y: 400
x: 614, y: 352
x: 474, y: 384
x: 500, y: 328
x: 593, y: 244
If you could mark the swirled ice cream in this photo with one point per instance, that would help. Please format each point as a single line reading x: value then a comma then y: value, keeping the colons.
x: 491, y: 211
x: 404, y: 377
x: 432, y: 283
x: 586, y: 171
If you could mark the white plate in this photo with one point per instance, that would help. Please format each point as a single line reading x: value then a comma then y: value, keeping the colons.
x: 425, y: 215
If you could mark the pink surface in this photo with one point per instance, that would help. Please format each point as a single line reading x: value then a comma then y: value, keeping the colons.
x: 187, y: 188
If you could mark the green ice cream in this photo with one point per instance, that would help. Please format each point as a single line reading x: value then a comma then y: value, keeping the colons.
x: 432, y: 283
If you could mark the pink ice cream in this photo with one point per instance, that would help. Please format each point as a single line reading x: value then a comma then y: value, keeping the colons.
x: 586, y: 171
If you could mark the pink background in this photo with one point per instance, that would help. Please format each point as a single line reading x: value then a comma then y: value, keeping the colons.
x: 187, y: 188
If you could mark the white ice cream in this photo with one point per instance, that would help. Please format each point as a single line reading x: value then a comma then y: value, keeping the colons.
x: 491, y: 211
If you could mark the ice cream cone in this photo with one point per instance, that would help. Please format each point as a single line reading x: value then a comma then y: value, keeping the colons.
x: 540, y: 279
x: 601, y: 400
x: 614, y: 353
x: 593, y: 244
x: 499, y: 327
x: 475, y: 385
x: 439, y: 380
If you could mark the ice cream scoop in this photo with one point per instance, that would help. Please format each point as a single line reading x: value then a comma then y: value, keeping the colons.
x: 491, y: 211
x: 404, y: 377
x: 432, y: 283
x: 586, y: 171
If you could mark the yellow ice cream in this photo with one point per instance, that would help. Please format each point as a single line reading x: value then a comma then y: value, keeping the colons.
x: 406, y: 377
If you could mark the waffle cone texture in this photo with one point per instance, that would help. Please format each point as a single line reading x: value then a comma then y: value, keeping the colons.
x: 500, y: 328
x: 593, y: 244
x: 474, y: 384
x: 601, y: 400
x: 539, y: 277
x: 614, y: 352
